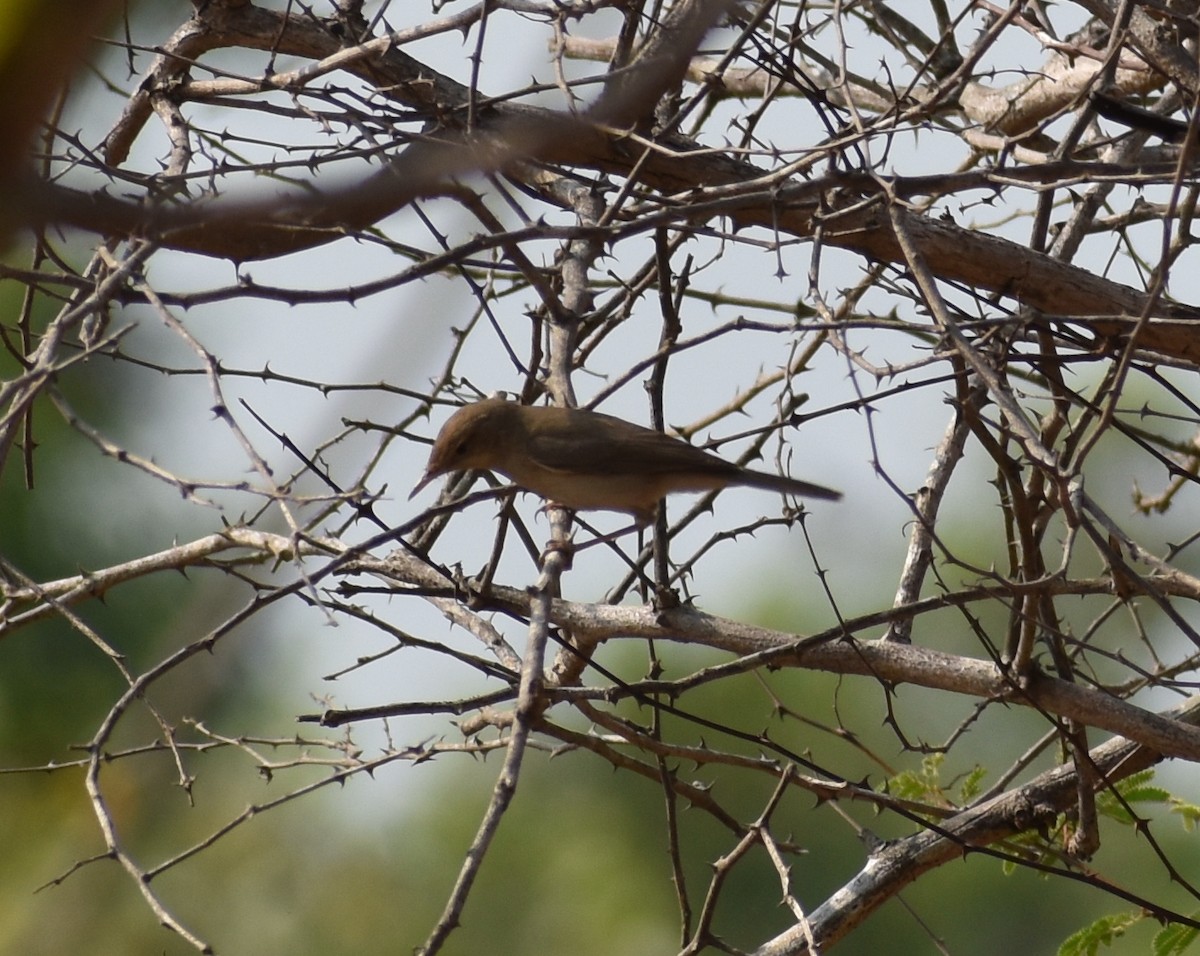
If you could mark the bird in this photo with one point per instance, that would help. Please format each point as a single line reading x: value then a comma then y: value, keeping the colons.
x: 588, y: 461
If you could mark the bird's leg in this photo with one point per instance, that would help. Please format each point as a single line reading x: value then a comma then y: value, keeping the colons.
x: 665, y: 597
x: 565, y: 547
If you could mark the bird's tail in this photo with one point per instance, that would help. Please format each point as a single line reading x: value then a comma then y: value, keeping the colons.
x: 787, y: 486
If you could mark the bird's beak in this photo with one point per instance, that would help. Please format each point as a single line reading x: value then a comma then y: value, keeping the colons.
x: 425, y: 479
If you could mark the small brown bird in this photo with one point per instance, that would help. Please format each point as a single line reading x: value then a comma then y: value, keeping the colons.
x: 588, y: 461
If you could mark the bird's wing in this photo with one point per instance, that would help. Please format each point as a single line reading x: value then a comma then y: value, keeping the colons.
x: 603, y: 445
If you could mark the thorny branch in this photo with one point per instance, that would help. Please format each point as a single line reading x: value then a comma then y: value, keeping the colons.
x: 634, y: 216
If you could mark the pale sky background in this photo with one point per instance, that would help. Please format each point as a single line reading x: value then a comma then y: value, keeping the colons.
x: 402, y: 336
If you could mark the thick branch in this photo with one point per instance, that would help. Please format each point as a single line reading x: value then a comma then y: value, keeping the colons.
x: 898, y: 863
x: 508, y: 133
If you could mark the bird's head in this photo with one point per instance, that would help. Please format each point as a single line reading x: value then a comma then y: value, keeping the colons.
x: 476, y: 436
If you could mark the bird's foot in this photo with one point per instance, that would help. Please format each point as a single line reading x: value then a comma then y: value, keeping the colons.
x: 664, y: 599
x: 564, y: 547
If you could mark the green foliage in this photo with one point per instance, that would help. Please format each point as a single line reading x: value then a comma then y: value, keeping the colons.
x: 1189, y: 813
x: 926, y: 786
x: 972, y: 784
x: 1103, y: 932
x: 1134, y: 790
x: 1174, y: 939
